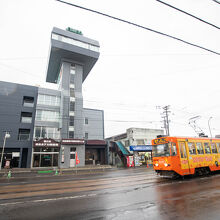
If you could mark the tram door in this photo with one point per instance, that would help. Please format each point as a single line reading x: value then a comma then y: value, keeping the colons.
x: 184, y: 157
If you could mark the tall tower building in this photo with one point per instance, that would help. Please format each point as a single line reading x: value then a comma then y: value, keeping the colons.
x: 71, y: 58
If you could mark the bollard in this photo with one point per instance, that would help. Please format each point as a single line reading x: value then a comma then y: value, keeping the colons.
x: 9, y: 174
x: 56, y: 172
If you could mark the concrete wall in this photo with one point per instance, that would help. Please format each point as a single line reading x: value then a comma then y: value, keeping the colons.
x: 80, y: 149
x: 145, y: 134
x: 65, y: 101
x: 78, y: 118
x: 11, y: 106
x: 95, y: 126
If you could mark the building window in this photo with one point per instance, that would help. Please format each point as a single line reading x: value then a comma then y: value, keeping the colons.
x: 26, y: 117
x: 140, y: 141
x: 72, y: 71
x: 71, y: 134
x: 24, y: 134
x: 72, y: 86
x: 48, y: 100
x: 86, y: 121
x: 72, y: 99
x: 72, y: 106
x: 46, y: 132
x: 71, y: 128
x: 72, y: 149
x: 86, y: 136
x: 127, y: 143
x: 28, y: 101
x: 44, y: 115
x: 71, y: 122
x: 71, y: 79
x: 75, y: 42
x: 71, y: 113
x: 72, y: 93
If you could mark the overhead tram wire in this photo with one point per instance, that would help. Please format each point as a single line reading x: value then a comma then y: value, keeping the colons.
x: 140, y: 26
x: 218, y: 2
x: 188, y: 14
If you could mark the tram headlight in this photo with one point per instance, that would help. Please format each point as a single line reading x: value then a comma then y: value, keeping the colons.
x: 156, y: 164
x: 165, y: 164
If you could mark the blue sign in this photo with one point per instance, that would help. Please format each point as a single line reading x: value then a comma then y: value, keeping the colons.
x: 141, y: 148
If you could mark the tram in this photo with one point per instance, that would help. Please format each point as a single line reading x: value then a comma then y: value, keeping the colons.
x: 181, y: 156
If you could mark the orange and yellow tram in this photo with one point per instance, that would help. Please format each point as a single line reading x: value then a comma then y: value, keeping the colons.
x: 174, y: 156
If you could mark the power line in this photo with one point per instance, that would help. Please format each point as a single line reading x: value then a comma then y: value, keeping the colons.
x: 140, y: 26
x: 216, y: 1
x: 188, y: 14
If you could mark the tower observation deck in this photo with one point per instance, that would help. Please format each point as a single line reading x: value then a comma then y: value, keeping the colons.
x: 71, y: 47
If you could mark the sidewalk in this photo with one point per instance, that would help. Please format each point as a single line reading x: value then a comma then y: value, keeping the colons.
x: 17, y: 173
x: 37, y: 172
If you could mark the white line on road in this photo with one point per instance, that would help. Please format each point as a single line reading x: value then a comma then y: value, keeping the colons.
x: 47, y: 200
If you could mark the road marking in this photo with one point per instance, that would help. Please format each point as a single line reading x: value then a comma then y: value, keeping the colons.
x: 47, y: 200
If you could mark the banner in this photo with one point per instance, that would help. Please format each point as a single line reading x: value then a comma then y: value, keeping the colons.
x: 77, y: 159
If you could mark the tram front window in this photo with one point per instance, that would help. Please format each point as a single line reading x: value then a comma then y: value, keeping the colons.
x: 161, y: 150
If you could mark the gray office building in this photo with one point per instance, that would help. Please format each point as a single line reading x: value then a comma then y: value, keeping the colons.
x: 61, y: 132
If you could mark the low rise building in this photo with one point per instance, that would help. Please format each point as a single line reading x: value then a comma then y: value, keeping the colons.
x: 137, y: 141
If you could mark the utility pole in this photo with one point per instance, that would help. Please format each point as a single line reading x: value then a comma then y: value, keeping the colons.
x: 165, y: 116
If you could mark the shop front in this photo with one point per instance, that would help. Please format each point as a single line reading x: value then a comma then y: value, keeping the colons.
x: 45, y: 153
x: 72, y: 153
x: 95, y: 152
x: 11, y: 157
x: 142, y: 154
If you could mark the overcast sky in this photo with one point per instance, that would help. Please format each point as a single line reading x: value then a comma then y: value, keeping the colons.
x: 137, y: 71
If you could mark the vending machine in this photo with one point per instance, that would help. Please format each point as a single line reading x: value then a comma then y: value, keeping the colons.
x: 130, y: 161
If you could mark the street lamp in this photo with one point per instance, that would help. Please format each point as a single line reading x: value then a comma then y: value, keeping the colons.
x: 7, y: 135
x: 209, y: 126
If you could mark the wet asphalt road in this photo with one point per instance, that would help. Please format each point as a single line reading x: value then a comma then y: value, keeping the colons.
x: 120, y: 194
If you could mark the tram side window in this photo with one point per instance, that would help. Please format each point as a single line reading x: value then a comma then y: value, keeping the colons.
x: 182, y: 150
x: 214, y: 150
x: 218, y: 147
x: 207, y: 148
x: 173, y: 149
x: 199, y: 148
x: 192, y: 148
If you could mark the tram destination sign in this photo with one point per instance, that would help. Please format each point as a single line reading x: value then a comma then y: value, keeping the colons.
x: 46, y: 143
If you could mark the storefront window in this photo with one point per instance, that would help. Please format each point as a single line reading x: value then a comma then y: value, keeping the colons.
x: 46, y: 160
x: 37, y: 149
x: 45, y: 157
x: 55, y: 160
x: 47, y: 149
x: 36, y: 160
